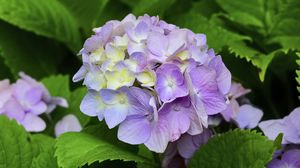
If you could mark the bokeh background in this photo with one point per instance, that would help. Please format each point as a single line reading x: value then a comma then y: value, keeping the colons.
x: 257, y: 39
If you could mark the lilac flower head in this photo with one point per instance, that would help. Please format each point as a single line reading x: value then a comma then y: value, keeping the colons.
x: 155, y: 80
x: 25, y: 100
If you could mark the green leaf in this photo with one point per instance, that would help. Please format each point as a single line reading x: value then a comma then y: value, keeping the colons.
x: 257, y: 58
x: 152, y: 7
x: 234, y: 149
x: 102, y: 132
x: 217, y: 37
x: 58, y: 85
x: 15, y: 149
x: 286, y: 28
x: 85, y: 12
x: 23, y: 51
x: 47, y: 18
x: 78, y: 149
x: 45, y: 148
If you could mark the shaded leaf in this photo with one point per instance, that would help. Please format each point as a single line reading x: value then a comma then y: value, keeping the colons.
x: 23, y: 51
x: 238, y: 148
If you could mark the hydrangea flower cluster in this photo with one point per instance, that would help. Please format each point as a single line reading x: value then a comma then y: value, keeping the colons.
x: 155, y: 80
x: 25, y: 100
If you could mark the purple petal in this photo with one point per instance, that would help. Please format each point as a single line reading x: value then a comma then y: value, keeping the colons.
x: 39, y: 108
x: 177, y: 39
x: 198, y: 55
x: 134, y: 130
x: 20, y: 88
x: 159, y: 137
x: 196, y: 125
x: 115, y: 114
x: 92, y: 104
x: 136, y: 48
x: 177, y: 116
x: 68, y: 123
x: 170, y: 83
x: 80, y: 74
x: 34, y: 95
x: 237, y: 90
x: 188, y: 144
x: 248, y: 116
x: 223, y: 74
x: 33, y: 123
x: 203, y: 81
x: 292, y: 157
x: 157, y: 44
x: 294, y: 118
x: 109, y: 96
x: 276, y: 163
x: 272, y: 128
x: 231, y: 111
x: 291, y: 134
x: 14, y: 110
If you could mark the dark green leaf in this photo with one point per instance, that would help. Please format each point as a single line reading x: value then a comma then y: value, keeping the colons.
x: 238, y: 148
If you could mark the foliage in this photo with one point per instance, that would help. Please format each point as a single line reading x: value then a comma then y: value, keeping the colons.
x: 235, y: 149
x: 20, y: 149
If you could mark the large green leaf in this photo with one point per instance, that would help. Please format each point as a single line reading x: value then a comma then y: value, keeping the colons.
x: 47, y: 18
x: 23, y: 51
x: 45, y: 151
x: 85, y: 12
x: 15, y: 149
x: 235, y: 149
x: 78, y: 149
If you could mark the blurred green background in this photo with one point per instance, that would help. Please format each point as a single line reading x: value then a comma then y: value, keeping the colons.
x: 258, y: 39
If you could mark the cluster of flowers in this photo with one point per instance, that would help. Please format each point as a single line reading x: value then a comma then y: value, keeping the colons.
x: 25, y: 100
x: 156, y: 81
x: 290, y: 127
